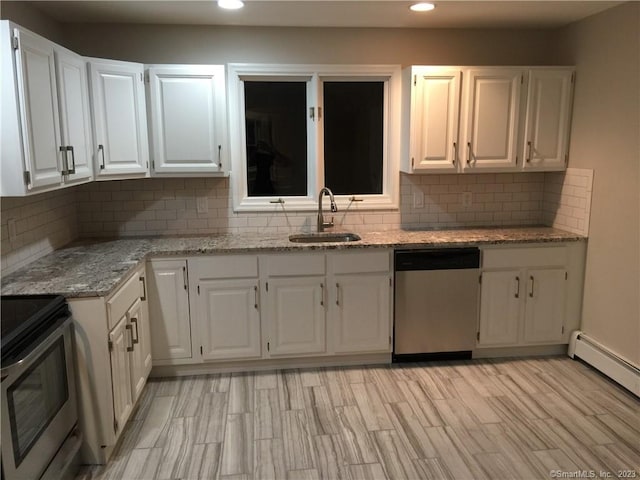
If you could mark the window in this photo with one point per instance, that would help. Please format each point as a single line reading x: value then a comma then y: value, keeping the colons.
x: 295, y: 129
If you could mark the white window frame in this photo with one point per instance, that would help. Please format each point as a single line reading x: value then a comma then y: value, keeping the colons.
x: 314, y: 75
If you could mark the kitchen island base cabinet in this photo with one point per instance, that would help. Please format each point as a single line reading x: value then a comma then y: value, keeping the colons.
x: 169, y: 311
x: 112, y: 362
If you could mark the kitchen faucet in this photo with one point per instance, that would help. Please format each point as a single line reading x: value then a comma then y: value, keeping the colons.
x: 321, y: 223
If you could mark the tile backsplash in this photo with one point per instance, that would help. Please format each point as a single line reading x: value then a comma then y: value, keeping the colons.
x: 567, y: 200
x: 169, y: 206
x: 122, y: 208
x: 40, y: 224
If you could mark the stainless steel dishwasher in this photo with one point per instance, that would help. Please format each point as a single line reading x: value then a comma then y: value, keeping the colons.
x: 436, y: 303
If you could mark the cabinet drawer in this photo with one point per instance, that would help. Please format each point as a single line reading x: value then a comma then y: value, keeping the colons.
x: 120, y: 302
x: 359, y: 262
x: 294, y: 264
x: 226, y: 266
x: 524, y: 257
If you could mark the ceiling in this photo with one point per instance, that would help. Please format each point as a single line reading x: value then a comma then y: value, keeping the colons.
x: 328, y: 13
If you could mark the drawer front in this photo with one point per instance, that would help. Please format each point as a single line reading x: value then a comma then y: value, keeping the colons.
x: 126, y: 296
x: 225, y: 266
x: 360, y: 262
x: 294, y: 264
x: 524, y: 257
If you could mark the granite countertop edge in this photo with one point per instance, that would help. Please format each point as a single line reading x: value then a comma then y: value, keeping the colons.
x: 95, y: 268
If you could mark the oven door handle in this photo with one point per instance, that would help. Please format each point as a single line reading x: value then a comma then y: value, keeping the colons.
x: 56, y: 332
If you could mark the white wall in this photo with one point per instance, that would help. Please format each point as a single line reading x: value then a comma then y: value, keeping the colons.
x: 606, y: 137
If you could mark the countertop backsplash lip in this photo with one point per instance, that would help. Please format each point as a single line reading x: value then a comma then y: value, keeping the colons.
x: 95, y: 267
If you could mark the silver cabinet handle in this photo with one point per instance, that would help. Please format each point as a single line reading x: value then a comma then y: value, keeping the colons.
x: 219, y: 157
x: 338, y: 294
x: 144, y: 289
x: 517, y: 295
x: 469, y: 153
x: 72, y: 170
x: 528, y: 152
x: 65, y: 169
x: 130, y: 328
x: 455, y: 153
x: 532, y: 283
x: 184, y: 277
x: 322, y: 294
x: 255, y: 297
x: 101, y: 149
x: 136, y: 340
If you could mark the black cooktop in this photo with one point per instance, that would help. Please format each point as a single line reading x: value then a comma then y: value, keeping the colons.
x: 25, y: 319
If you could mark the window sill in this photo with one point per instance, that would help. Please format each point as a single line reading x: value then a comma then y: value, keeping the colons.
x: 307, y: 204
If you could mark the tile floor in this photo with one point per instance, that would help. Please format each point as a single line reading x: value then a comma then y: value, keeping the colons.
x: 531, y: 418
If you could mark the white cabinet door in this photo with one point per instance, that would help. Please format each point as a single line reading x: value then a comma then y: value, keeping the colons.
x: 500, y: 307
x: 75, y: 116
x: 141, y: 343
x: 35, y: 70
x: 188, y: 119
x: 546, y: 138
x: 229, y: 319
x: 434, y: 119
x: 119, y: 343
x: 492, y: 108
x: 119, y: 115
x: 296, y: 315
x: 169, y: 310
x: 361, y: 313
x: 545, y: 305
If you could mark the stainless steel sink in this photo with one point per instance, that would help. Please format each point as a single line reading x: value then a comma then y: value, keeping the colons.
x: 324, y: 237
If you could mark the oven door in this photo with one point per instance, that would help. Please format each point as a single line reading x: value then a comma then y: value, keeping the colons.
x: 38, y: 405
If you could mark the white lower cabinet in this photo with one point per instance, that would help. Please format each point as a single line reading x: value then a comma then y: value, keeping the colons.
x: 137, y: 317
x: 525, y: 296
x: 113, y: 361
x: 169, y: 311
x: 361, y: 313
x: 225, y: 305
x: 296, y: 315
x: 120, y: 373
x: 229, y: 319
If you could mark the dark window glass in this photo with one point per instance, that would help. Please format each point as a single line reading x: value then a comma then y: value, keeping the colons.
x: 353, y: 137
x: 276, y: 129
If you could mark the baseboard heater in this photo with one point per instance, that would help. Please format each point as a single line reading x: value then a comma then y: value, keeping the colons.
x: 604, y: 360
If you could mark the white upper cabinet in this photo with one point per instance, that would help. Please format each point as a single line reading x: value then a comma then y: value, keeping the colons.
x: 548, y: 118
x: 119, y: 115
x: 46, y: 130
x: 187, y: 108
x: 435, y: 105
x: 491, y: 115
x: 75, y: 115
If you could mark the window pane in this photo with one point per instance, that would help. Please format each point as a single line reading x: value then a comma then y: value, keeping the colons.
x: 353, y: 137
x: 276, y: 124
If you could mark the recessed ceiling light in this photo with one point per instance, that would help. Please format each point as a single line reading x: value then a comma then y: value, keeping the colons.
x: 230, y: 4
x: 422, y: 7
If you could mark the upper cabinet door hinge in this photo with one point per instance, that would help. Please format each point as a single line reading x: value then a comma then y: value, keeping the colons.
x: 27, y: 177
x: 15, y: 43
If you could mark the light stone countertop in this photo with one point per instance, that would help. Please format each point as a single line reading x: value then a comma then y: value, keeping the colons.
x: 96, y: 267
